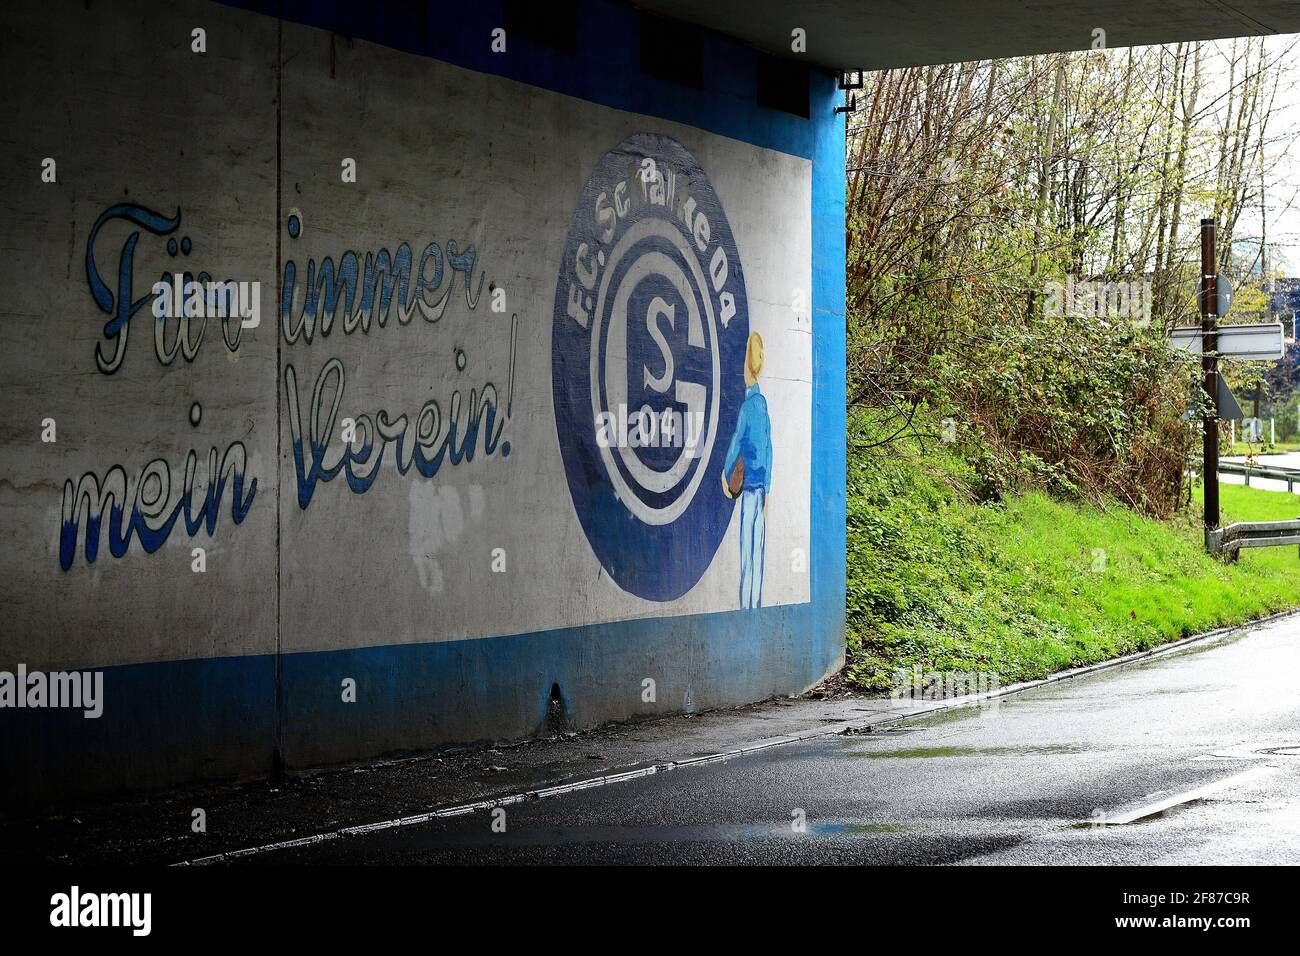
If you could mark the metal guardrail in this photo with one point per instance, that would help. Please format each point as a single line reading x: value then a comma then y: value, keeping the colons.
x: 1229, y: 541
x: 1290, y: 475
x: 1252, y: 534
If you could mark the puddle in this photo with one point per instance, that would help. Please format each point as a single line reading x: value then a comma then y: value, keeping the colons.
x: 616, y: 834
x: 950, y: 715
x: 1232, y: 637
x: 1199, y: 689
x: 839, y: 829
x: 1281, y: 751
x: 923, y: 753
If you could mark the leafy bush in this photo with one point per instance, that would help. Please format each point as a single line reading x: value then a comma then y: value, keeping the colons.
x: 1083, y: 410
x: 1020, y: 588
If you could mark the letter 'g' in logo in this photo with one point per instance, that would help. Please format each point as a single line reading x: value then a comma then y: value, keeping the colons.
x: 650, y: 326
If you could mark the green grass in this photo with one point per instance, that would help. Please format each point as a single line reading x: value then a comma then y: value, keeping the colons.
x: 1022, y: 589
x: 1241, y: 448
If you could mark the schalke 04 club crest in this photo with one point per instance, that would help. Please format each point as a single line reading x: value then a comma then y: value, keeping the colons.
x: 650, y: 326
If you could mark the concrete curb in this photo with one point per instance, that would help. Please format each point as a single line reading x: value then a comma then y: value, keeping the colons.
x: 844, y: 727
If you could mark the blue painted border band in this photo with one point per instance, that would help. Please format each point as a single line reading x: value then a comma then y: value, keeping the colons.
x: 604, y: 69
x: 179, y: 721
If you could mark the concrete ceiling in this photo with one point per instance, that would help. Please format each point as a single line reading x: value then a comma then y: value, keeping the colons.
x: 874, y: 34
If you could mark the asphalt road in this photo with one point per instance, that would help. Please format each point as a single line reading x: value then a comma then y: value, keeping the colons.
x: 1284, y: 460
x: 1182, y: 759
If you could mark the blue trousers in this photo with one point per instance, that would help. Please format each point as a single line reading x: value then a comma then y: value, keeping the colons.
x: 752, y: 532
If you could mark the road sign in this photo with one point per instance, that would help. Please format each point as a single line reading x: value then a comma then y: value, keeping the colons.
x: 1252, y: 430
x: 1228, y: 407
x: 1222, y: 296
x: 1262, y: 340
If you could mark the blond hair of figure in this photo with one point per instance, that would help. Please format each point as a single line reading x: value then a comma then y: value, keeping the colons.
x: 753, y: 358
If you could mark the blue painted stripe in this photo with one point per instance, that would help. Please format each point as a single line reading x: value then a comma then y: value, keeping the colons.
x: 173, y: 722
x: 605, y: 68
x: 163, y: 724
x: 829, y: 424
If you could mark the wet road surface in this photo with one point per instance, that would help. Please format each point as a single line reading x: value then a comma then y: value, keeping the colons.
x: 1189, y: 758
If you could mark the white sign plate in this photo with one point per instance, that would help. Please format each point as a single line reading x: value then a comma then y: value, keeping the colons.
x: 1256, y: 341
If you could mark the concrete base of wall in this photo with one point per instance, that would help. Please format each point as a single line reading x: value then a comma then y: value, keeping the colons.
x: 184, y: 721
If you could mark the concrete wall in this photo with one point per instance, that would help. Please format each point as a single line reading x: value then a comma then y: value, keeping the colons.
x: 413, y: 499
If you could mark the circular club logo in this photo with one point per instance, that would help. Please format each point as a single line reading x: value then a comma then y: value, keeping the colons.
x: 647, y: 362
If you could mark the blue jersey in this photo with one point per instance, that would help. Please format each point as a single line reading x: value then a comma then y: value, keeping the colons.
x: 753, y: 442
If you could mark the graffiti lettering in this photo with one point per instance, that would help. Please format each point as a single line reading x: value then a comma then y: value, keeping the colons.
x: 329, y: 286
x: 151, y: 519
x: 434, y: 440
x: 358, y: 290
x: 123, y: 306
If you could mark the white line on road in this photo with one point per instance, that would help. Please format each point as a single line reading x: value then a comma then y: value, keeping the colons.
x: 1200, y: 793
x: 502, y: 801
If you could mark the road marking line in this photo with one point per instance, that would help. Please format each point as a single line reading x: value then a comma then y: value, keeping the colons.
x: 541, y: 793
x: 1235, y: 752
x: 461, y: 809
x: 1189, y: 796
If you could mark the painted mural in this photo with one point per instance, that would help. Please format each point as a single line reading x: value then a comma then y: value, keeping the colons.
x: 654, y: 377
x: 142, y: 505
x: 650, y: 327
x: 363, y: 295
x: 416, y: 370
x: 359, y: 293
x: 503, y: 399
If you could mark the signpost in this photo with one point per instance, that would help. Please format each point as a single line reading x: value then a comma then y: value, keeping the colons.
x: 1210, y: 369
x: 1265, y: 340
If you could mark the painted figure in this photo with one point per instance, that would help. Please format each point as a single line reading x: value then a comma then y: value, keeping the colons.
x: 747, y: 473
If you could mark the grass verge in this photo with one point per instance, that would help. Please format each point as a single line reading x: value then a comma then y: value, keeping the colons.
x: 1241, y: 448
x: 1034, y: 585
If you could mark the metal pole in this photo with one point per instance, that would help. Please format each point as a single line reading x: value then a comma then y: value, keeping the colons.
x: 1210, y: 368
